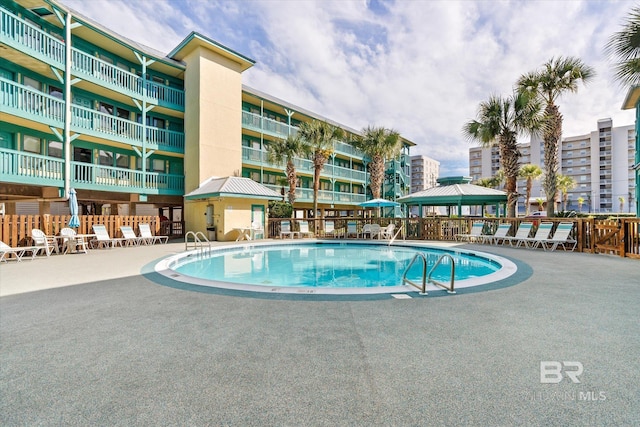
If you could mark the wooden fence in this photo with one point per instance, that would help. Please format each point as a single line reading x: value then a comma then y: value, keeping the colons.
x: 15, y: 230
x: 616, y: 237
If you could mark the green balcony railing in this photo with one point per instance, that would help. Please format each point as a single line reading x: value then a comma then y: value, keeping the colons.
x: 305, y: 195
x: 31, y: 104
x: 30, y: 168
x: 31, y: 40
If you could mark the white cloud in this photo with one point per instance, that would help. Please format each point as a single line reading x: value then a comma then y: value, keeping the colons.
x: 420, y: 67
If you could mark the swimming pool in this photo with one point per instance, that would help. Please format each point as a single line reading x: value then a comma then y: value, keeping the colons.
x: 328, y: 267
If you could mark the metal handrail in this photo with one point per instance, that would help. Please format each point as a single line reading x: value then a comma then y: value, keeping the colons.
x: 199, y: 240
x: 453, y: 272
x: 423, y: 288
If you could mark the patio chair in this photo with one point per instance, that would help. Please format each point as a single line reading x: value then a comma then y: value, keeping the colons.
x: 498, y: 236
x: 257, y: 230
x: 47, y: 243
x: 352, y: 229
x: 542, y: 233
x: 18, y: 252
x: 387, y: 232
x: 71, y: 241
x: 473, y: 235
x: 149, y: 239
x: 560, y: 238
x: 329, y: 229
x: 304, y: 229
x: 372, y: 230
x: 285, y: 230
x: 523, y: 231
x: 129, y: 237
x: 102, y: 238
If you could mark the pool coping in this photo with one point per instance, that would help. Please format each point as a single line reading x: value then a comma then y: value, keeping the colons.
x: 514, y: 271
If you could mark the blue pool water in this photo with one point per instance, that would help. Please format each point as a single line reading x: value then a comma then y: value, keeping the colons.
x: 327, y: 265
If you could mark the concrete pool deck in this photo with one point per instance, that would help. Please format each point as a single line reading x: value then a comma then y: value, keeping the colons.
x: 88, y: 340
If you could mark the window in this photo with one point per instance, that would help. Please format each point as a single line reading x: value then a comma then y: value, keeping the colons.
x: 81, y: 155
x: 31, y: 144
x: 122, y: 161
x: 56, y: 92
x: 105, y: 158
x: 55, y: 149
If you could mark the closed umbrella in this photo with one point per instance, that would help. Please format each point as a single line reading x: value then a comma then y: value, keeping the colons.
x: 73, y: 208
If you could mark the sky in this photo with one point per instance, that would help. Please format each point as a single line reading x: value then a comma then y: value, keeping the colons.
x: 420, y: 67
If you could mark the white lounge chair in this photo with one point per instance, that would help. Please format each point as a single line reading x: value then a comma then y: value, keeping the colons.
x: 473, y: 235
x: 387, y: 232
x: 542, y: 233
x: 523, y: 231
x: 498, y: 236
x: 352, y: 229
x: 257, y: 230
x: 329, y: 229
x: 129, y: 237
x: 71, y: 241
x: 304, y: 229
x: 102, y: 238
x: 18, y: 251
x: 560, y: 238
x: 47, y: 243
x: 285, y: 230
x: 147, y: 238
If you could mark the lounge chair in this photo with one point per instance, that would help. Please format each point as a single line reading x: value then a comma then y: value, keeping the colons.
x: 285, y: 230
x: 524, y: 229
x: 542, y: 233
x: 372, y: 230
x: 304, y: 229
x: 149, y: 239
x: 329, y: 229
x: 560, y: 237
x: 71, y: 241
x: 18, y: 252
x: 256, y: 230
x: 387, y: 232
x: 498, y: 236
x: 352, y: 229
x: 102, y: 238
x: 474, y: 234
x: 129, y: 237
x: 47, y: 243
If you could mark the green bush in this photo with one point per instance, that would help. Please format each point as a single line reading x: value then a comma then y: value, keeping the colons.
x: 279, y: 209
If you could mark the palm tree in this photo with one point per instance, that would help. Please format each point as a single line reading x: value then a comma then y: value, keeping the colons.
x: 621, y: 200
x: 379, y: 144
x: 580, y: 203
x: 529, y: 172
x: 557, y: 76
x: 285, y: 151
x: 564, y: 184
x: 319, y: 137
x: 623, y: 48
x: 498, y: 179
x: 485, y: 182
x: 499, y: 122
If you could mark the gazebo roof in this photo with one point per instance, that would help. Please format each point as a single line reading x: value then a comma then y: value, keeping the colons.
x: 232, y: 186
x: 455, y: 191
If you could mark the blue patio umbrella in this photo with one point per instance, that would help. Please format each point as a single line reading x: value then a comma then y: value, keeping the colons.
x: 379, y: 203
x: 73, y: 208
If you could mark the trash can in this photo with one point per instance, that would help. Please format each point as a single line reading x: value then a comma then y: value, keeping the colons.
x: 211, y: 231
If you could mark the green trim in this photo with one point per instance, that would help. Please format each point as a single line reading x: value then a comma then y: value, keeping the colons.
x: 231, y: 195
x: 195, y: 35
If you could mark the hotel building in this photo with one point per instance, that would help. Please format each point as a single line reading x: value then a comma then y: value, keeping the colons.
x: 601, y: 163
x: 136, y: 131
x: 424, y: 173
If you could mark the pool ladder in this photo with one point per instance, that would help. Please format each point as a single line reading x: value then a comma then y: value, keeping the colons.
x: 426, y: 277
x: 199, y: 241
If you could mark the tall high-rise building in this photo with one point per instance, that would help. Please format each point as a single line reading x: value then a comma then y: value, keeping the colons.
x: 424, y: 173
x: 600, y: 162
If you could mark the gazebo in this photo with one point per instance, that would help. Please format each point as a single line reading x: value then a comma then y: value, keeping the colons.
x: 457, y: 191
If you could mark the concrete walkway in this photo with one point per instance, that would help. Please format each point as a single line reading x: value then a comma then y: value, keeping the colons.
x: 87, y: 340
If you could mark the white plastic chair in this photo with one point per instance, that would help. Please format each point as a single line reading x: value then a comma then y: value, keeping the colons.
x: 256, y: 230
x: 285, y: 230
x: 147, y: 238
x: 48, y: 244
x: 304, y: 229
x: 71, y: 241
x: 129, y: 237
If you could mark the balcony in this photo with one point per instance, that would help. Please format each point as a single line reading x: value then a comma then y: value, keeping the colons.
x: 25, y: 102
x: 23, y: 36
x: 305, y: 195
x: 27, y: 168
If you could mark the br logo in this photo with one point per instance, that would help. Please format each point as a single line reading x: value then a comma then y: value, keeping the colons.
x: 551, y: 372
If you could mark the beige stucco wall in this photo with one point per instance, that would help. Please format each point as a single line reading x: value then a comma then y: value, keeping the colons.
x: 228, y: 213
x: 213, y: 117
